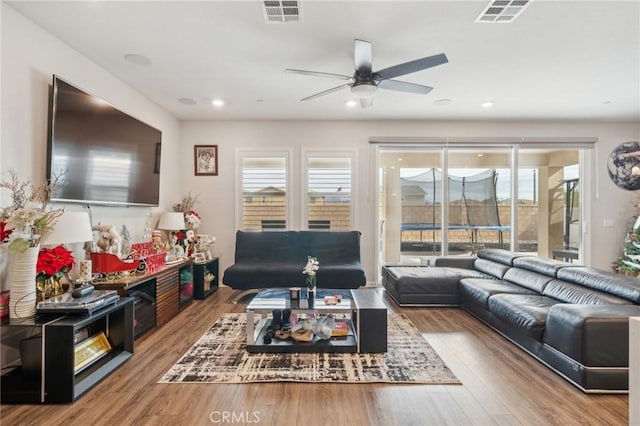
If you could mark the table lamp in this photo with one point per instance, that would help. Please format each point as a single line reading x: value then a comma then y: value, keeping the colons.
x: 173, y: 221
x: 72, y: 227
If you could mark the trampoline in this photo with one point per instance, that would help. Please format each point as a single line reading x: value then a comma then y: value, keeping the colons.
x: 473, y: 206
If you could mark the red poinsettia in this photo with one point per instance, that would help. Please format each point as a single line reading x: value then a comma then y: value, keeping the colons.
x: 4, y: 232
x: 54, y: 262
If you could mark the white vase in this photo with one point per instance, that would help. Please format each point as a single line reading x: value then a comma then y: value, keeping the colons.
x: 22, y: 281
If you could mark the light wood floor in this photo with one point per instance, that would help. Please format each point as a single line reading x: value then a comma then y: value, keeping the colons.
x: 501, y: 385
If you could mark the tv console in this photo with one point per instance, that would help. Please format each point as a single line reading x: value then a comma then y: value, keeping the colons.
x: 158, y: 296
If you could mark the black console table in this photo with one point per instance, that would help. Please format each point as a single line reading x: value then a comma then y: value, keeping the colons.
x: 205, y: 278
x: 51, y: 358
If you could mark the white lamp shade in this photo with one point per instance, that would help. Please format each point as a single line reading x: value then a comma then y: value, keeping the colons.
x: 172, y: 221
x: 71, y: 227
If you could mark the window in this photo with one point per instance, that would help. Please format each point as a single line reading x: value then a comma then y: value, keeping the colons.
x: 329, y: 191
x: 263, y: 183
x: 276, y: 191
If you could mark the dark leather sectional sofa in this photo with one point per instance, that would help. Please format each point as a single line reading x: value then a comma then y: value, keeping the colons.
x: 277, y: 258
x: 572, y: 318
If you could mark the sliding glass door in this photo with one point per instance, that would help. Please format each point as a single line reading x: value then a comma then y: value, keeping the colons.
x: 480, y: 184
x: 479, y: 199
x: 549, y: 213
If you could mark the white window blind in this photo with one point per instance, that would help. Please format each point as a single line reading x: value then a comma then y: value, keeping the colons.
x: 329, y: 194
x: 264, y: 193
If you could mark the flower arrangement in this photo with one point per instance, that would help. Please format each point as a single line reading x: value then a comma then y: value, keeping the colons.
x: 52, y: 265
x: 23, y: 223
x: 192, y: 219
x: 310, y: 270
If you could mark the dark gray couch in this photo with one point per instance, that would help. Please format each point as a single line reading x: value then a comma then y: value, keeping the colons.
x: 572, y: 318
x: 277, y: 258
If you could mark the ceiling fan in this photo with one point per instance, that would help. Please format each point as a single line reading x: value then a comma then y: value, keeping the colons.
x: 365, y: 81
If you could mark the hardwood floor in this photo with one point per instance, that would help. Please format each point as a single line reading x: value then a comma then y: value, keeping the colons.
x: 501, y: 385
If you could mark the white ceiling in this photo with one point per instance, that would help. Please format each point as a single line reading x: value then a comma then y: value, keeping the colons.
x: 560, y: 60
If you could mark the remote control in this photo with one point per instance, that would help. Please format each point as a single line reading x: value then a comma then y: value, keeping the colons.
x: 83, y: 291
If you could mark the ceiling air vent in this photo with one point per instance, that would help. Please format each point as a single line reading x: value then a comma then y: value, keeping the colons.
x: 502, y: 11
x: 276, y: 11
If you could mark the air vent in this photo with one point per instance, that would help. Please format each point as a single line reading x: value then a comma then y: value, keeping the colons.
x: 276, y: 11
x: 502, y: 11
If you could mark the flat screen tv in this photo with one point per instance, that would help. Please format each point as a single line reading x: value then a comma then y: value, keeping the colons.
x: 104, y: 155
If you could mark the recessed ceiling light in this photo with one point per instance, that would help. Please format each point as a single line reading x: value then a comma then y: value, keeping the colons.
x: 399, y: 159
x: 218, y: 103
x: 187, y: 101
x: 480, y: 155
x: 137, y: 59
x: 351, y: 103
x: 442, y: 102
x: 487, y: 104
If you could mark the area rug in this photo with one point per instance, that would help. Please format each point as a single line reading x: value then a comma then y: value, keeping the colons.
x: 220, y: 357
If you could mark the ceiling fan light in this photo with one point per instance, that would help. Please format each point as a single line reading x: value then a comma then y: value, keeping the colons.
x: 364, y: 90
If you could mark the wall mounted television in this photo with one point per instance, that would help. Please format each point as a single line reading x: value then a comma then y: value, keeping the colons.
x: 110, y: 158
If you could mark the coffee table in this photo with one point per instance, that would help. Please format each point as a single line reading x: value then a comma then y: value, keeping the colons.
x: 363, y: 310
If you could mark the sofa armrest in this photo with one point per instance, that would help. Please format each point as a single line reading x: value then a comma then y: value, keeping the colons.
x: 464, y: 262
x: 594, y: 335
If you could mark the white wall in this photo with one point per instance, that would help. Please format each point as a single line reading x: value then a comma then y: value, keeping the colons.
x: 30, y: 56
x: 216, y: 193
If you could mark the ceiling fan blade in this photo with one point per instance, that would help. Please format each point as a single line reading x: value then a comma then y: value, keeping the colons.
x: 412, y: 66
x: 326, y: 92
x: 403, y: 86
x: 319, y: 74
x: 362, y: 57
x: 366, y: 102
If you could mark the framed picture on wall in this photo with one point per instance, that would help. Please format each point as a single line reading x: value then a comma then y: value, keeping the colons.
x: 205, y: 160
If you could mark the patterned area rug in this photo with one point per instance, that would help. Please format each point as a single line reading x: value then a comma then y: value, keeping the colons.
x: 220, y: 357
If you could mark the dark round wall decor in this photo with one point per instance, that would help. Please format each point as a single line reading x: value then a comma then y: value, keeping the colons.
x: 624, y: 165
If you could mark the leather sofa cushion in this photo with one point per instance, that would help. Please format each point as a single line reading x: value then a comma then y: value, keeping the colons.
x: 529, y: 279
x: 573, y: 293
x: 266, y: 275
x: 426, y: 279
x: 494, y: 269
x: 479, y: 290
x: 264, y: 247
x: 593, y: 335
x: 608, y: 282
x: 525, y: 313
x: 505, y: 257
x: 542, y: 265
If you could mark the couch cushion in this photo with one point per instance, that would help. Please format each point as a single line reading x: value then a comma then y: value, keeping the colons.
x: 593, y: 335
x: 426, y: 279
x: 424, y: 285
x: 478, y: 290
x: 242, y: 276
x: 529, y: 279
x: 505, y: 257
x: 333, y: 247
x: 495, y: 269
x: 608, y: 282
x: 525, y: 313
x: 542, y: 265
x: 265, y: 247
x: 574, y: 293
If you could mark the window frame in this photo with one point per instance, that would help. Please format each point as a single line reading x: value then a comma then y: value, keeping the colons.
x: 304, y: 183
x: 241, y: 154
